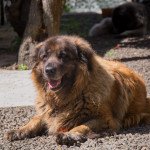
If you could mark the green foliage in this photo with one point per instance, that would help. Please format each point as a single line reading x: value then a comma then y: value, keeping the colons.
x: 110, y: 53
x: 22, y: 67
x: 73, y: 27
x: 67, y: 9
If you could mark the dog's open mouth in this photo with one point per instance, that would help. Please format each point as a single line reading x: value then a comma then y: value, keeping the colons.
x: 54, y: 84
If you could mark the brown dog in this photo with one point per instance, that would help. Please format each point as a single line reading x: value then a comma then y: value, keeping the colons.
x: 80, y: 93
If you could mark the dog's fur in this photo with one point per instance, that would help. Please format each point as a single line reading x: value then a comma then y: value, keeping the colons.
x: 129, y: 19
x: 95, y: 94
x: 102, y: 28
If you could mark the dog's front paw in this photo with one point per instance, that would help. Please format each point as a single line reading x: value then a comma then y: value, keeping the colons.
x: 16, y: 135
x: 70, y: 139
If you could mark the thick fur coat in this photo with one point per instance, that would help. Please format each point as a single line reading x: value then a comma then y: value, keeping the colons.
x: 129, y: 19
x: 80, y: 93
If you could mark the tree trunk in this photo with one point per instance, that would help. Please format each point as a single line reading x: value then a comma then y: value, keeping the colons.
x: 44, y: 21
x: 17, y: 14
x: 2, y: 12
x: 52, y: 13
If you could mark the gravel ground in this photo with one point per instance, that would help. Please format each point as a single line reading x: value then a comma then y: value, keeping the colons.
x: 135, y: 53
x: 132, y: 139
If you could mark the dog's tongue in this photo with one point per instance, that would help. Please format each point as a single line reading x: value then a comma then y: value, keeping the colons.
x: 54, y: 83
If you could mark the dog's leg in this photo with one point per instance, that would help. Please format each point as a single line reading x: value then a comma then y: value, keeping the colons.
x: 135, y: 118
x: 137, y: 32
x: 31, y: 129
x: 80, y: 133
x: 102, y: 28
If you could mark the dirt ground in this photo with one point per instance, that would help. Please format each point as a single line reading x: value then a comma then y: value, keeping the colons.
x: 135, y: 53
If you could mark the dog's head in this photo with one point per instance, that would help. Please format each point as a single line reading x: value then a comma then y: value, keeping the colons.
x: 128, y: 16
x: 59, y: 59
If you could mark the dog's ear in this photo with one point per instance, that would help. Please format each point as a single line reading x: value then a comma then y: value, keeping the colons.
x: 37, y: 54
x: 85, y: 52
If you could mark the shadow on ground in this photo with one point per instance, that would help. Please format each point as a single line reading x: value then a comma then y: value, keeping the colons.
x: 73, y: 24
x: 139, y: 42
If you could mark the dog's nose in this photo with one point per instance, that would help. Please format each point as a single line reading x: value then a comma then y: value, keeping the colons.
x: 50, y: 70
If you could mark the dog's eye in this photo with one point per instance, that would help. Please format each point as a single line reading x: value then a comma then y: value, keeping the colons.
x: 44, y: 56
x: 62, y: 55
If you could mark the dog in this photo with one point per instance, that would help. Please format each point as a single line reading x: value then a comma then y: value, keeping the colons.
x: 102, y: 28
x: 80, y: 93
x: 129, y: 19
